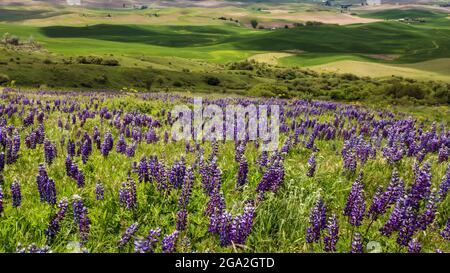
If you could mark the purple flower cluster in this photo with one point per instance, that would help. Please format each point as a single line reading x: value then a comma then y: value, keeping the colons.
x: 317, y: 221
x: 99, y: 191
x: 128, y: 195
x: 414, y: 246
x: 32, y: 248
x: 357, y: 244
x: 186, y: 189
x: 148, y: 244
x: 49, y: 151
x: 107, y: 144
x: 242, y: 173
x: 356, y: 205
x: 182, y: 219
x: 55, y: 223
x: 311, y: 166
x: 273, y: 176
x: 73, y: 172
x: 176, y: 174
x: 80, y: 214
x: 169, y: 242
x: 129, y: 233
x: 332, y: 236
x: 1, y: 201
x: 16, y: 194
x: 46, y: 186
x: 211, y: 177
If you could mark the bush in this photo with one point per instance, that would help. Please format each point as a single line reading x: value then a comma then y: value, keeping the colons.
x: 89, y: 60
x: 212, y: 80
x: 244, y: 65
x: 110, y: 62
x: 399, y: 90
x: 254, y: 23
x: 4, y: 79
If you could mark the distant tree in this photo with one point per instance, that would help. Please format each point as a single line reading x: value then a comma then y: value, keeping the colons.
x: 254, y: 23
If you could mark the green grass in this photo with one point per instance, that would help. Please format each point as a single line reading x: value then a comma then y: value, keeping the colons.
x: 282, y: 218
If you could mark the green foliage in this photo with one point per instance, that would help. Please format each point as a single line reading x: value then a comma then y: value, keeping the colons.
x: 254, y: 23
x: 4, y: 79
x: 212, y: 80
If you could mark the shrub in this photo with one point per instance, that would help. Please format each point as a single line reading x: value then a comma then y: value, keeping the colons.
x: 110, y: 62
x: 212, y: 80
x: 243, y: 65
x: 4, y: 79
x: 254, y: 23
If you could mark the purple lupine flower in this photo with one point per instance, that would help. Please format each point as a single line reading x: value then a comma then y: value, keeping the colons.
x: 263, y: 159
x: 169, y: 242
x: 80, y: 214
x: 107, y: 144
x: 99, y: 191
x: 121, y: 146
x: 215, y: 205
x: 350, y: 162
x: 1, y: 200
x: 211, y: 176
x: 444, y: 187
x: 46, y: 186
x: 129, y: 233
x: 239, y: 151
x: 445, y: 233
x: 317, y: 221
x: 395, y: 220
x: 16, y: 194
x: 49, y: 152
x: 182, y: 219
x: 357, y: 246
x: 176, y: 174
x: 429, y: 214
x: 86, y: 148
x: 311, y: 165
x: 242, y: 225
x: 148, y: 244
x: 151, y: 136
x: 242, y: 173
x: 143, y: 173
x: 32, y: 248
x: 332, y: 236
x: 80, y: 179
x: 272, y: 177
x: 128, y: 195
x: 414, y: 246
x: 224, y: 228
x: 2, y: 161
x: 96, y: 137
x: 356, y: 205
x: 408, y: 226
x: 186, y: 190
x: 55, y: 223
x: 443, y: 154
x: 421, y: 187
x: 71, y: 148
x: 131, y: 150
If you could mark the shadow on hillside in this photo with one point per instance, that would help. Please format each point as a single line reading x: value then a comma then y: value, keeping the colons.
x: 10, y: 15
x: 171, y: 36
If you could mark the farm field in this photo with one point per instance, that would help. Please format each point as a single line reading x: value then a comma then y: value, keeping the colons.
x: 104, y: 147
